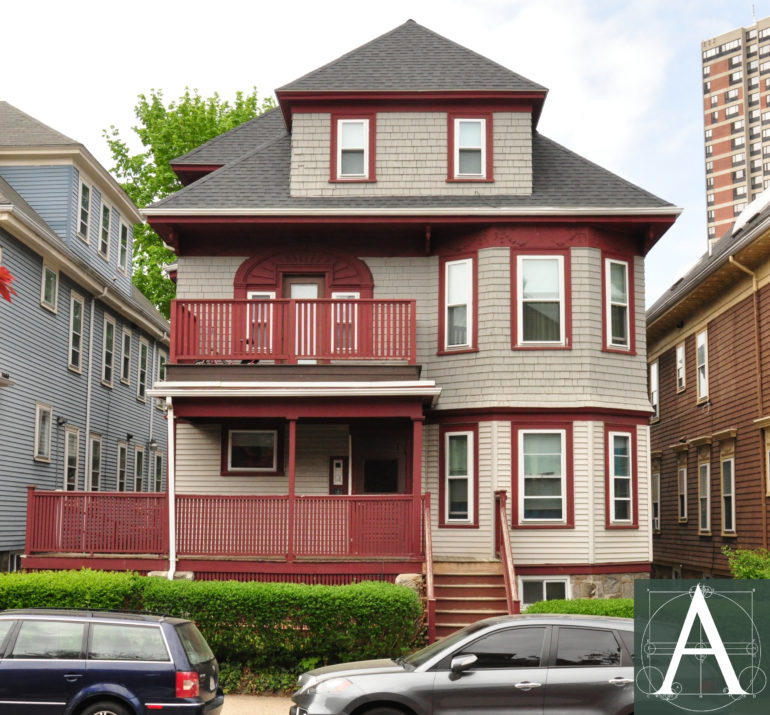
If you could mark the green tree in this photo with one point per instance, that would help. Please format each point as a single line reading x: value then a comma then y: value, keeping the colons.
x: 167, y: 132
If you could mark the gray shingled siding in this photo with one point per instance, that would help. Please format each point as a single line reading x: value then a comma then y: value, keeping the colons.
x: 34, y: 350
x: 411, y: 157
x: 47, y: 190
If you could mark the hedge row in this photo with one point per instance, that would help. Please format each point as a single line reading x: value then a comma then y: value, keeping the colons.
x: 621, y: 607
x: 267, y: 625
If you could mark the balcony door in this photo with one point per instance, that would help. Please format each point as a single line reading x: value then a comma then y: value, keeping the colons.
x: 305, y: 288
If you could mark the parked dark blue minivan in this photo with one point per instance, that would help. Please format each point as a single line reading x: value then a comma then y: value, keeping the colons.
x: 104, y: 663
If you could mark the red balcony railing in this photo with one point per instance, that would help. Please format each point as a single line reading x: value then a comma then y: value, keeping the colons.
x: 293, y: 330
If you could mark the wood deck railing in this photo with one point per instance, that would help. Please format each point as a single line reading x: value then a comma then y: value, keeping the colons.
x: 221, y: 526
x: 292, y: 330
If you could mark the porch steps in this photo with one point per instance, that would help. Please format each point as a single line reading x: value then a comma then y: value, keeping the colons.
x: 466, y: 593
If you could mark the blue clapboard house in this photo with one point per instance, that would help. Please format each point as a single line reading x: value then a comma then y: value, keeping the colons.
x: 79, y: 345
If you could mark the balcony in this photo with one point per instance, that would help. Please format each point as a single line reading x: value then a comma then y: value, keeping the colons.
x: 293, y: 331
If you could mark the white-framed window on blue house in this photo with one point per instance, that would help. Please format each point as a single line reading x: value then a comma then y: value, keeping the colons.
x: 49, y: 288
x: 160, y: 402
x: 123, y: 248
x: 141, y: 370
x: 43, y: 421
x: 108, y: 351
x: 71, y: 458
x: 95, y: 467
x: 125, y: 357
x: 138, y: 468
x: 104, y: 233
x: 84, y: 211
x: 122, y: 467
x: 77, y: 308
x: 158, y: 471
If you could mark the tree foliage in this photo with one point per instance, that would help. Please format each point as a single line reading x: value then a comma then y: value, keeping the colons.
x: 167, y: 132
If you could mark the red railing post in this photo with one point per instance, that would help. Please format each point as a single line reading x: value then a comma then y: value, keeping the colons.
x: 430, y: 592
x: 503, y: 539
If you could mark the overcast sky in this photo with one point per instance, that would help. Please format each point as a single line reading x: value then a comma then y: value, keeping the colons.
x: 624, y: 77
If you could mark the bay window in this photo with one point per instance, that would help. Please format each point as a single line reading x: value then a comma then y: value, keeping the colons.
x: 542, y: 476
x: 459, y: 477
x: 540, y: 309
x: 458, y: 299
x: 617, y: 304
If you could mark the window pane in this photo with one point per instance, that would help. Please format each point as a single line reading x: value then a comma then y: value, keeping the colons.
x: 352, y: 161
x: 49, y: 639
x: 49, y: 295
x: 470, y: 161
x: 555, y: 589
x: 727, y: 477
x: 542, y: 322
x: 470, y: 134
x: 532, y: 591
x: 112, y: 642
x: 539, y: 508
x: 618, y: 315
x: 622, y: 510
x: 458, y: 455
x: 252, y: 450
x: 540, y: 278
x: 618, y: 287
x: 622, y: 456
x: 458, y: 498
x: 457, y: 330
x: 352, y: 135
x: 585, y: 647
x: 458, y: 276
x: 622, y: 488
x: 542, y: 486
x: 512, y: 648
x: 542, y: 454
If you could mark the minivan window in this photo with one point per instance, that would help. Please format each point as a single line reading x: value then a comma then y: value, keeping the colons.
x: 49, y: 639
x: 194, y: 644
x: 110, y: 641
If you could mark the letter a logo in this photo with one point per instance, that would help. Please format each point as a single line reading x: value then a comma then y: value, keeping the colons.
x: 716, y: 647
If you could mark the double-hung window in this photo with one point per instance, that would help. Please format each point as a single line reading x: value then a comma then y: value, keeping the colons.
x: 680, y: 372
x: 617, y: 304
x: 104, y: 233
x: 458, y: 297
x: 542, y: 476
x: 43, y: 418
x: 470, y: 150
x: 459, y: 477
x: 158, y: 471
x: 84, y: 213
x: 138, y: 468
x: 49, y: 288
x: 141, y: 369
x: 681, y: 486
x: 76, y: 332
x: 656, y: 500
x: 701, y: 347
x: 122, y: 466
x: 654, y: 391
x: 71, y: 458
x: 620, y: 476
x: 125, y: 357
x: 704, y: 496
x: 353, y: 149
x: 108, y: 351
x: 95, y: 471
x: 160, y: 402
x: 540, y: 306
x: 123, y: 248
x: 728, y: 495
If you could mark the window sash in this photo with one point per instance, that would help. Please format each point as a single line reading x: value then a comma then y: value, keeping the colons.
x: 702, y: 365
x: 680, y: 368
x: 138, y: 469
x: 470, y: 148
x: 542, y: 476
x: 43, y: 422
x: 540, y: 309
x: 71, y: 458
x: 704, y: 497
x: 656, y: 501
x: 76, y: 332
x: 49, y: 290
x: 125, y: 358
x: 123, y: 250
x: 621, y: 477
x: 458, y: 290
x: 682, y: 493
x: 95, y: 473
x: 654, y: 390
x: 728, y: 496
x: 353, y: 148
x: 141, y: 369
x: 534, y: 589
x: 104, y: 232
x: 618, y: 303
x: 84, y: 214
x: 459, y: 477
x: 122, y: 467
x: 108, y: 350
x: 158, y: 472
x: 264, y: 465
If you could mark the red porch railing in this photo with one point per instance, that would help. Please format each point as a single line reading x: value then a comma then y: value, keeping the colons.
x: 293, y: 330
x: 505, y: 551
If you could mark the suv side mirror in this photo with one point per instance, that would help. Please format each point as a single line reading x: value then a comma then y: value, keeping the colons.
x: 463, y: 662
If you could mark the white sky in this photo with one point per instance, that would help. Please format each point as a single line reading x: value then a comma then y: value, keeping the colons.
x: 624, y: 77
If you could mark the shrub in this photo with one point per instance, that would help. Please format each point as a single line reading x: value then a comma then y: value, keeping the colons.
x: 620, y: 607
x: 746, y: 563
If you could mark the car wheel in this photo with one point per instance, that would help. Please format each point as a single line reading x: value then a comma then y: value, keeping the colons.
x: 104, y: 707
x: 383, y: 710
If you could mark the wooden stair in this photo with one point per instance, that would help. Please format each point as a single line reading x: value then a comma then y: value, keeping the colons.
x: 467, y: 592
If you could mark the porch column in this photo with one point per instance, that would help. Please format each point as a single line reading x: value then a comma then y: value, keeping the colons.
x: 417, y: 423
x: 292, y: 480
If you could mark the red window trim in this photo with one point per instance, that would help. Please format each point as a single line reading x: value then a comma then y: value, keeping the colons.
x: 371, y: 169
x: 566, y: 255
x: 541, y: 425
x: 443, y: 430
x: 473, y: 347
x: 634, y: 524
x: 489, y: 153
x: 606, y: 347
x: 259, y: 425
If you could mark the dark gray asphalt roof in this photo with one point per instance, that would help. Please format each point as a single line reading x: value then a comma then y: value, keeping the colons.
x: 21, y: 130
x: 260, y: 180
x: 234, y: 144
x: 411, y: 58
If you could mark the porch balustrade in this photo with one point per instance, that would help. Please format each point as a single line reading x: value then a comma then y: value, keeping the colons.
x: 288, y: 331
x: 221, y: 526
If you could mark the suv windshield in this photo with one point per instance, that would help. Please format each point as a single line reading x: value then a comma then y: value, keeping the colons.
x: 194, y: 644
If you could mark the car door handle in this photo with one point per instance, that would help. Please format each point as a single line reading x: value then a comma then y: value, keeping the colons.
x: 72, y: 677
x: 527, y: 685
x: 620, y: 681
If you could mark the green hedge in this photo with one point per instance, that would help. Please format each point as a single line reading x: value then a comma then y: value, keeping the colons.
x: 621, y: 607
x: 259, y: 625
x: 748, y: 563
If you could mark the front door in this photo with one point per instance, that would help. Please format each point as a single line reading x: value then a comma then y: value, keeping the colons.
x: 380, y: 459
x: 306, y: 335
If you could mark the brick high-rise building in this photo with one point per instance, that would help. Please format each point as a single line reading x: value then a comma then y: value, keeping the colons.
x: 736, y: 117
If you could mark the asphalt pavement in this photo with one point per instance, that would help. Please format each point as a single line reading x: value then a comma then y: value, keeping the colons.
x: 256, y: 705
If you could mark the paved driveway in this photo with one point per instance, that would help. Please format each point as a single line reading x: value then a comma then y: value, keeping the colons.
x: 256, y: 705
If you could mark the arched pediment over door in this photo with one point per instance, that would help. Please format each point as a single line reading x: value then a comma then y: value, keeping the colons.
x: 266, y: 272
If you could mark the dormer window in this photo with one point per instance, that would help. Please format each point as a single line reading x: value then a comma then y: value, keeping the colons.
x: 353, y: 148
x: 85, y: 211
x: 470, y: 148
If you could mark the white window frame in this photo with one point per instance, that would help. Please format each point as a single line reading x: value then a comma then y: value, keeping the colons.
x: 654, y: 390
x: 81, y: 219
x: 71, y: 432
x: 704, y: 497
x: 522, y: 477
x: 37, y: 454
x: 521, y: 260
x: 469, y: 477
x: 53, y: 304
x: 125, y: 356
x: 681, y: 492
x: 139, y: 471
x: 158, y: 471
x: 121, y: 467
x: 108, y: 352
x: 482, y: 148
x: 142, y: 369
x: 544, y: 580
x: 252, y: 470
x: 655, y: 521
x: 724, y: 494
x: 76, y: 366
x: 123, y: 247
x: 104, y: 232
x: 702, y: 370
x: 614, y: 499
x: 610, y: 304
x: 364, y: 149
x: 162, y: 364
x: 681, y: 377
x: 95, y: 450
x: 468, y: 305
